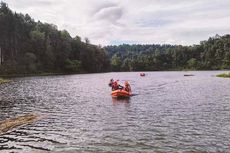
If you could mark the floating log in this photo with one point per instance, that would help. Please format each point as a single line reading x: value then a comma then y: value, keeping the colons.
x: 188, y: 75
x: 11, y: 124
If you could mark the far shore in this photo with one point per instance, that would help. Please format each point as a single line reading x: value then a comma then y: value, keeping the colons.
x: 4, y: 77
x: 224, y: 75
x: 4, y: 81
x: 36, y: 74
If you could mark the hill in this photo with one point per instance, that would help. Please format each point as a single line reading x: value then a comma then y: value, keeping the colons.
x: 213, y: 54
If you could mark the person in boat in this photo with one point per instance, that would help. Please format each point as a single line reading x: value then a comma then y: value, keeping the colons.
x: 116, y: 86
x: 127, y: 87
x: 142, y: 74
x: 111, y: 82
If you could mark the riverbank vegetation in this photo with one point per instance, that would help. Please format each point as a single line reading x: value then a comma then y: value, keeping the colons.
x: 3, y: 81
x: 28, y: 47
x: 224, y: 75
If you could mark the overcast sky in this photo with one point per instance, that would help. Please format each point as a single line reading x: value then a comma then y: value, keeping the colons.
x: 112, y: 22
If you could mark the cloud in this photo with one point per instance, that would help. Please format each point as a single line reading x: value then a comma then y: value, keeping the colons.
x: 20, y: 4
x: 133, y: 21
x: 110, y: 14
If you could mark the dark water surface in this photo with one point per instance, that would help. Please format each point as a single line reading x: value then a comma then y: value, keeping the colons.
x: 169, y: 113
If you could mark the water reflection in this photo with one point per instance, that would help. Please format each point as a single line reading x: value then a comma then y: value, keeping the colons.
x: 117, y: 101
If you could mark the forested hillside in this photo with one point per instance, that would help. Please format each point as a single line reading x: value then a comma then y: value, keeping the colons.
x: 27, y: 46
x: 212, y: 54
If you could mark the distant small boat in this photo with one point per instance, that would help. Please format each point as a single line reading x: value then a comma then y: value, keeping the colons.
x: 188, y: 75
x: 142, y: 74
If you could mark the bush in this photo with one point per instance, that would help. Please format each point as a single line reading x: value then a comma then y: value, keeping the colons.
x: 3, y: 81
x: 224, y: 75
x: 72, y: 66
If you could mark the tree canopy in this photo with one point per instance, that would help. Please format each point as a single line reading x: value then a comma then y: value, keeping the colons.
x: 32, y: 47
x: 212, y: 54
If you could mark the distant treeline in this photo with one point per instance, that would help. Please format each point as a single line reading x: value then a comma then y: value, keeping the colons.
x: 27, y: 46
x: 33, y: 47
x: 212, y: 54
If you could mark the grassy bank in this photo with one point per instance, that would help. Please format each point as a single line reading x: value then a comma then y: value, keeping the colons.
x: 12, y: 75
x: 3, y: 81
x: 224, y: 75
x: 28, y: 75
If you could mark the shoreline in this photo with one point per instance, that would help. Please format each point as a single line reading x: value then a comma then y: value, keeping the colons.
x: 3, y: 77
x: 224, y: 75
x: 4, y: 81
x: 37, y: 74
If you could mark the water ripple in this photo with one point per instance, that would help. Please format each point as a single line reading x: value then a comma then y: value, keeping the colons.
x: 169, y: 113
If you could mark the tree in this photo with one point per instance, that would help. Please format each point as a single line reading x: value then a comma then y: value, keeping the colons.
x: 73, y: 66
x: 192, y: 63
x: 87, y: 40
x: 115, y: 63
x: 30, y: 62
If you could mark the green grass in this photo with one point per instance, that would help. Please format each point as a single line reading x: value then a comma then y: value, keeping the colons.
x: 38, y: 74
x: 224, y: 75
x: 4, y: 81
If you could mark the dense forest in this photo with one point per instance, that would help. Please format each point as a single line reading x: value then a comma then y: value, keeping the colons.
x: 27, y: 46
x: 213, y: 54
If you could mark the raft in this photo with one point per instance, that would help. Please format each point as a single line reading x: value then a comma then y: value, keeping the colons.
x: 120, y: 94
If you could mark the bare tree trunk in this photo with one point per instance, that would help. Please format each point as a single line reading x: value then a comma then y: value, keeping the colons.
x: 0, y: 55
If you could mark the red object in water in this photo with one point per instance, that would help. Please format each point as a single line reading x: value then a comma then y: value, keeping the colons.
x: 142, y: 74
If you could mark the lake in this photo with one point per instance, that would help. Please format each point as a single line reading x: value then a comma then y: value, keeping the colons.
x: 168, y: 113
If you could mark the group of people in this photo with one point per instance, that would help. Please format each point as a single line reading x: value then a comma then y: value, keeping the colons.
x: 115, y: 86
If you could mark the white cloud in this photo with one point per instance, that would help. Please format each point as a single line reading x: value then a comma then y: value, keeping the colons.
x: 146, y: 21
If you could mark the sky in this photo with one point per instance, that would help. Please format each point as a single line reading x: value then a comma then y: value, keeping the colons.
x: 114, y: 22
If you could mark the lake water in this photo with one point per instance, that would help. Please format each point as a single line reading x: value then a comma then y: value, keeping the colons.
x: 169, y: 113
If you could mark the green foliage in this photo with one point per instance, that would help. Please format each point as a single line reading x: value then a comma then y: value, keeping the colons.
x: 30, y: 62
x: 212, y: 54
x: 127, y: 65
x: 31, y: 47
x: 30, y: 58
x: 224, y: 75
x: 192, y: 63
x: 116, y: 63
x: 3, y: 81
x: 73, y: 66
x: 37, y: 35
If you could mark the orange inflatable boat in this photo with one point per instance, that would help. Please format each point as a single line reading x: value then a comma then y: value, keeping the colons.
x: 120, y: 94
